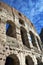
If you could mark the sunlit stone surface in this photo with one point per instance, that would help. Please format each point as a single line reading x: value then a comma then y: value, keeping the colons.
x: 19, y: 42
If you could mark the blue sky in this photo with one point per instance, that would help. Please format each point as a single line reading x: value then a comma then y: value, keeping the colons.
x: 32, y: 9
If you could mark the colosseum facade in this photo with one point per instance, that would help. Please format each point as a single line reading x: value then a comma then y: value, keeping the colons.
x: 19, y: 42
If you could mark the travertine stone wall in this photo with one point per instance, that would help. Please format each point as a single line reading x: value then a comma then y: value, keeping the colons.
x: 17, y: 48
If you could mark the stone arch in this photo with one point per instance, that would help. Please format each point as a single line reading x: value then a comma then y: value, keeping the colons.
x: 12, y: 60
x: 38, y: 42
x: 10, y: 29
x: 33, y: 39
x: 29, y: 60
x: 24, y: 37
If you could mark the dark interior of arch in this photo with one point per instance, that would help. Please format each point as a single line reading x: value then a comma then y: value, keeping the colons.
x: 21, y: 21
x: 39, y: 62
x: 29, y: 61
x: 24, y: 37
x: 12, y: 60
x: 33, y: 39
x: 9, y: 61
x: 10, y: 30
x: 38, y: 43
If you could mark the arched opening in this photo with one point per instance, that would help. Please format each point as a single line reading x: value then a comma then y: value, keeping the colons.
x: 33, y: 39
x: 10, y: 29
x: 12, y: 60
x: 24, y: 37
x: 38, y: 43
x: 19, y: 13
x: 21, y: 21
x: 39, y: 61
x: 29, y: 60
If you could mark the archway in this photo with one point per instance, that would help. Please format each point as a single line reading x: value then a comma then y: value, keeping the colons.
x: 21, y: 22
x: 33, y: 39
x: 10, y: 29
x: 12, y: 60
x: 24, y: 37
x: 39, y: 61
x: 29, y: 60
x: 38, y: 42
